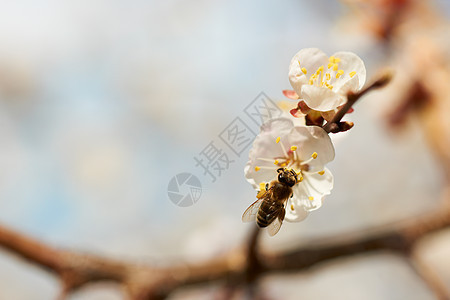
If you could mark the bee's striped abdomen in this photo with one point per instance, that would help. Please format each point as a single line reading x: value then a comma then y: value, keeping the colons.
x: 267, y: 213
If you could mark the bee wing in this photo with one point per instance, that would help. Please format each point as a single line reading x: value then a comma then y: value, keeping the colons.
x: 250, y: 213
x: 275, y: 226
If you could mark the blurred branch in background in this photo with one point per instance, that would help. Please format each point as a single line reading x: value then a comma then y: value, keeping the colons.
x: 244, y: 265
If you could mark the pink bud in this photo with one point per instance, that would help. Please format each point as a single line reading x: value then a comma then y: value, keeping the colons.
x: 290, y: 94
x: 296, y: 112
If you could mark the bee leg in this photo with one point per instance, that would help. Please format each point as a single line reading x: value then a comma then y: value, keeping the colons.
x: 291, y: 196
x: 267, y: 186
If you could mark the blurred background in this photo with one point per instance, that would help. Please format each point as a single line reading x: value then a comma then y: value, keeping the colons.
x: 103, y: 102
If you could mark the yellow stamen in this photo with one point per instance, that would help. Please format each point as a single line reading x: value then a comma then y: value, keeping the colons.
x: 257, y: 168
x: 304, y: 71
x: 311, y: 82
x: 330, y: 87
x: 278, y: 140
x: 321, y: 75
x: 311, y: 198
x: 283, y: 165
x: 293, y: 148
x: 301, y: 179
x: 336, y: 60
x: 320, y: 69
x: 339, y: 73
x: 352, y: 73
x: 331, y: 59
x: 335, y: 67
x: 262, y: 186
x: 314, y: 155
x: 330, y: 65
x: 292, y: 206
x: 298, y: 63
x: 275, y: 162
x: 321, y: 172
x: 328, y: 76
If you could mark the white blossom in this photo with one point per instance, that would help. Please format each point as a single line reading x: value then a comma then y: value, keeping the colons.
x: 306, y: 150
x: 323, y: 82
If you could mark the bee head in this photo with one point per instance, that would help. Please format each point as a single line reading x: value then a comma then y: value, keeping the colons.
x: 288, y: 177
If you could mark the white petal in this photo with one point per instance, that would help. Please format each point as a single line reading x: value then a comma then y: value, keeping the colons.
x: 265, y: 146
x: 321, y: 98
x: 256, y: 177
x: 295, y: 215
x: 309, y: 58
x: 313, y: 185
x: 351, y: 84
x: 310, y: 139
x: 351, y: 62
x: 278, y: 125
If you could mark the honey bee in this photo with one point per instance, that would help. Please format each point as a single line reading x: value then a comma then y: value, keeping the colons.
x: 269, y: 209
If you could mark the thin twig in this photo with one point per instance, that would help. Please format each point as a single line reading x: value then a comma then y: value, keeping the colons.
x: 351, y: 100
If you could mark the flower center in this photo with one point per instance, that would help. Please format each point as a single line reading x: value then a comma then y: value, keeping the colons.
x: 321, y: 79
x: 290, y: 159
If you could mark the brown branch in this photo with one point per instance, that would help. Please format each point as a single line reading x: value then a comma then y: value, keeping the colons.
x: 253, y: 257
x: 429, y: 277
x: 394, y: 237
x: 29, y: 249
x: 335, y: 124
x: 243, y: 265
